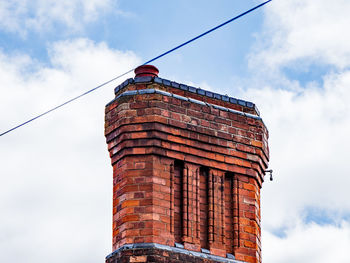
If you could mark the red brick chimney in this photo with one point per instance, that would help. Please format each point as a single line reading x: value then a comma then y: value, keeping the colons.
x: 188, y: 165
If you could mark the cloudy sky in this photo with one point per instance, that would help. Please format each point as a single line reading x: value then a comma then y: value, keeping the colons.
x: 292, y: 58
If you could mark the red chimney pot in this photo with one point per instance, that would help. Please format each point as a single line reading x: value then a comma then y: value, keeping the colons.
x: 146, y: 70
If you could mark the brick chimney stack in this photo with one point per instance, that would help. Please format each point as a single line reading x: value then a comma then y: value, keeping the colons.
x: 188, y: 165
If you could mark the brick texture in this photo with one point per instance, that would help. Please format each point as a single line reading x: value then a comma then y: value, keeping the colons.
x: 185, y: 172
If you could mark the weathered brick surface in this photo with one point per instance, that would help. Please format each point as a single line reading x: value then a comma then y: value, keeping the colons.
x: 186, y: 172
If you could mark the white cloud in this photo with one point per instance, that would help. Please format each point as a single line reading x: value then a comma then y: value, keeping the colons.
x: 309, y: 243
x: 305, y: 210
x: 308, y: 131
x: 308, y: 122
x: 55, y: 174
x: 307, y: 30
x: 19, y: 16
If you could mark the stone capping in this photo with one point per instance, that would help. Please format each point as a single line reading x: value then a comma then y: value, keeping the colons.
x: 199, y: 91
x: 165, y: 93
x: 171, y: 249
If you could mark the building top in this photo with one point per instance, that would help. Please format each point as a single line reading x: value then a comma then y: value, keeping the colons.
x: 188, y: 166
x: 149, y: 74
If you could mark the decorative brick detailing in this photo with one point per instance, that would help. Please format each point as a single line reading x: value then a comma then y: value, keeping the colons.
x: 187, y: 169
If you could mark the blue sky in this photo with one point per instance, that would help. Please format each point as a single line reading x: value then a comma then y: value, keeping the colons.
x: 149, y: 29
x: 290, y: 57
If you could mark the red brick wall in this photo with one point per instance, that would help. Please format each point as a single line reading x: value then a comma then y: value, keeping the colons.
x: 185, y: 172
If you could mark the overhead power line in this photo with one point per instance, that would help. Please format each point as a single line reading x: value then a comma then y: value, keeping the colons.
x: 127, y: 72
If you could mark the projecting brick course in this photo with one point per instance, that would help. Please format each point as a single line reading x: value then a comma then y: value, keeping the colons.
x: 185, y: 170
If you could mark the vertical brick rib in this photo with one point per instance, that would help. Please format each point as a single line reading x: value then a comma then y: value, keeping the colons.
x: 197, y: 204
x: 237, y: 212
x: 191, y: 208
x: 178, y: 202
x: 204, y: 208
x: 185, y: 201
x: 172, y: 199
x: 229, y: 213
x: 222, y: 180
x: 188, y: 201
x: 211, y: 208
x: 215, y: 206
x: 218, y: 207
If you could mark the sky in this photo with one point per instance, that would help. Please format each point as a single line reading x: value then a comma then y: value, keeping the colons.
x: 291, y: 58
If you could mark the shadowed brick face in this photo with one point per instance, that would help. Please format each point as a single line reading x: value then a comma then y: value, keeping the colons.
x: 204, y: 207
x: 185, y: 171
x: 229, y: 215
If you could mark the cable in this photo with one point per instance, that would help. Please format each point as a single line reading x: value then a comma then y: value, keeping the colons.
x: 207, y: 32
x: 65, y: 103
x: 149, y: 61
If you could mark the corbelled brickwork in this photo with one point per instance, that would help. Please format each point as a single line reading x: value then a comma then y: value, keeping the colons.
x: 188, y: 166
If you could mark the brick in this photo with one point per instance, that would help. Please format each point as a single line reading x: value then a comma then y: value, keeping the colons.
x: 257, y: 143
x: 129, y: 218
x: 138, y: 259
x: 193, y: 247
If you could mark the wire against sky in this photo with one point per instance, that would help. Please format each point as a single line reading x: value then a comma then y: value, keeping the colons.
x: 127, y: 72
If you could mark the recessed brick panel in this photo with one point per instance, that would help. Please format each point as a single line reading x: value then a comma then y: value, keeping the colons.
x: 178, y: 201
x: 229, y: 213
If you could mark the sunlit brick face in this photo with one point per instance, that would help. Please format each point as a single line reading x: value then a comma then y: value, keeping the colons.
x: 188, y: 166
x: 178, y: 200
